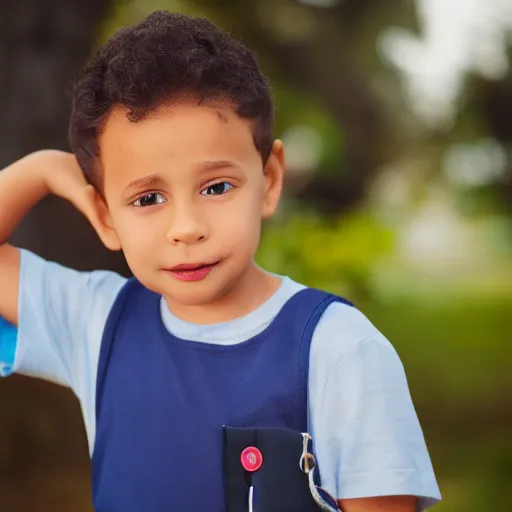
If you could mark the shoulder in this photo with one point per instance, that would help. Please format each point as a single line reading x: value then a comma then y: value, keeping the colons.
x: 62, y: 316
x: 345, y: 337
x: 62, y: 308
x: 56, y: 278
x: 341, y: 326
x: 340, y: 329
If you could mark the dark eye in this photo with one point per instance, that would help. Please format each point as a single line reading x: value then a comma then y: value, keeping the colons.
x: 150, y: 199
x: 217, y: 189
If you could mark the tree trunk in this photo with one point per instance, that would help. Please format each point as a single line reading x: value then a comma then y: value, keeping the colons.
x: 43, y: 45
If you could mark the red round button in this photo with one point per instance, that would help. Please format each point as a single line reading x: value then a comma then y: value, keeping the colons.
x: 251, y: 458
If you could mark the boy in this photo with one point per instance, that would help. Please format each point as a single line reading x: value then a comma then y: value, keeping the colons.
x: 172, y: 128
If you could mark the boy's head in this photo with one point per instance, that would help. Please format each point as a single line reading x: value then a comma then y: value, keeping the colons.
x: 172, y: 122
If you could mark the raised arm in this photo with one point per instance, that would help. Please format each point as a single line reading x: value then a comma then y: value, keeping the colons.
x: 22, y: 185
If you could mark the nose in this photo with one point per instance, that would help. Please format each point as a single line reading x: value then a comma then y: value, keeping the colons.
x: 187, y: 226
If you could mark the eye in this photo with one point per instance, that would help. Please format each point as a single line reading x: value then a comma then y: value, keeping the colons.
x: 217, y: 189
x: 149, y: 200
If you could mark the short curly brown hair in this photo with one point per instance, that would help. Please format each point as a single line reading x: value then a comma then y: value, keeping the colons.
x: 165, y: 56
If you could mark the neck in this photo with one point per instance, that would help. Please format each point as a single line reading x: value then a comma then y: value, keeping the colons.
x: 251, y: 290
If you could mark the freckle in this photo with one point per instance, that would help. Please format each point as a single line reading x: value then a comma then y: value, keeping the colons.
x: 222, y: 117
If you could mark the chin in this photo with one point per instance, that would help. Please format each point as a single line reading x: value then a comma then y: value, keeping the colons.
x: 196, y: 294
x: 186, y: 293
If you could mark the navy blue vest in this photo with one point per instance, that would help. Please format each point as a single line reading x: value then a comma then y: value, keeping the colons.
x: 162, y: 401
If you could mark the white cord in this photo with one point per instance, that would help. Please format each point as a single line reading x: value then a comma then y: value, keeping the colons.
x: 251, y: 494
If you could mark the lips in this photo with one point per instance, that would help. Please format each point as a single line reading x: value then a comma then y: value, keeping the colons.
x: 191, y: 271
x: 190, y: 266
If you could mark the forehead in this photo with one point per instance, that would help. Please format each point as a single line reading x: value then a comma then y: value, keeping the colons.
x: 177, y: 136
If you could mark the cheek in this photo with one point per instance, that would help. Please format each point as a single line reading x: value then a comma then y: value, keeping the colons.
x: 138, y: 235
x: 240, y: 225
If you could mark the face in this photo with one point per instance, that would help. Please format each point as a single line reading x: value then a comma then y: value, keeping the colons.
x: 185, y: 191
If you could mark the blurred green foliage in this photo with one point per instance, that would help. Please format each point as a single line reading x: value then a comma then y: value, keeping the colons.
x: 456, y: 350
x: 333, y: 254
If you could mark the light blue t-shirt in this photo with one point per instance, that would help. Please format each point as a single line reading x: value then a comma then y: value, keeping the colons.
x: 368, y: 441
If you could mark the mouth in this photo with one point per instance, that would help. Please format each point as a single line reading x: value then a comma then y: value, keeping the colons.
x: 191, y: 266
x: 192, y: 271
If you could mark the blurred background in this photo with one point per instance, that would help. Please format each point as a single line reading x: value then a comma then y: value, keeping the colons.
x: 397, y: 119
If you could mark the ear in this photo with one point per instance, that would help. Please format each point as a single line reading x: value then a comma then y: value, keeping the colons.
x: 104, y: 224
x: 273, y: 174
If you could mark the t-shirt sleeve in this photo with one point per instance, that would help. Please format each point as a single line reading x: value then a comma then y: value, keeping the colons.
x: 62, y: 314
x: 8, y: 335
x: 367, y: 437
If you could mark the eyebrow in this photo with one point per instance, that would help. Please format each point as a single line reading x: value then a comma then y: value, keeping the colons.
x: 154, y: 180
x: 211, y: 165
x: 147, y: 181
